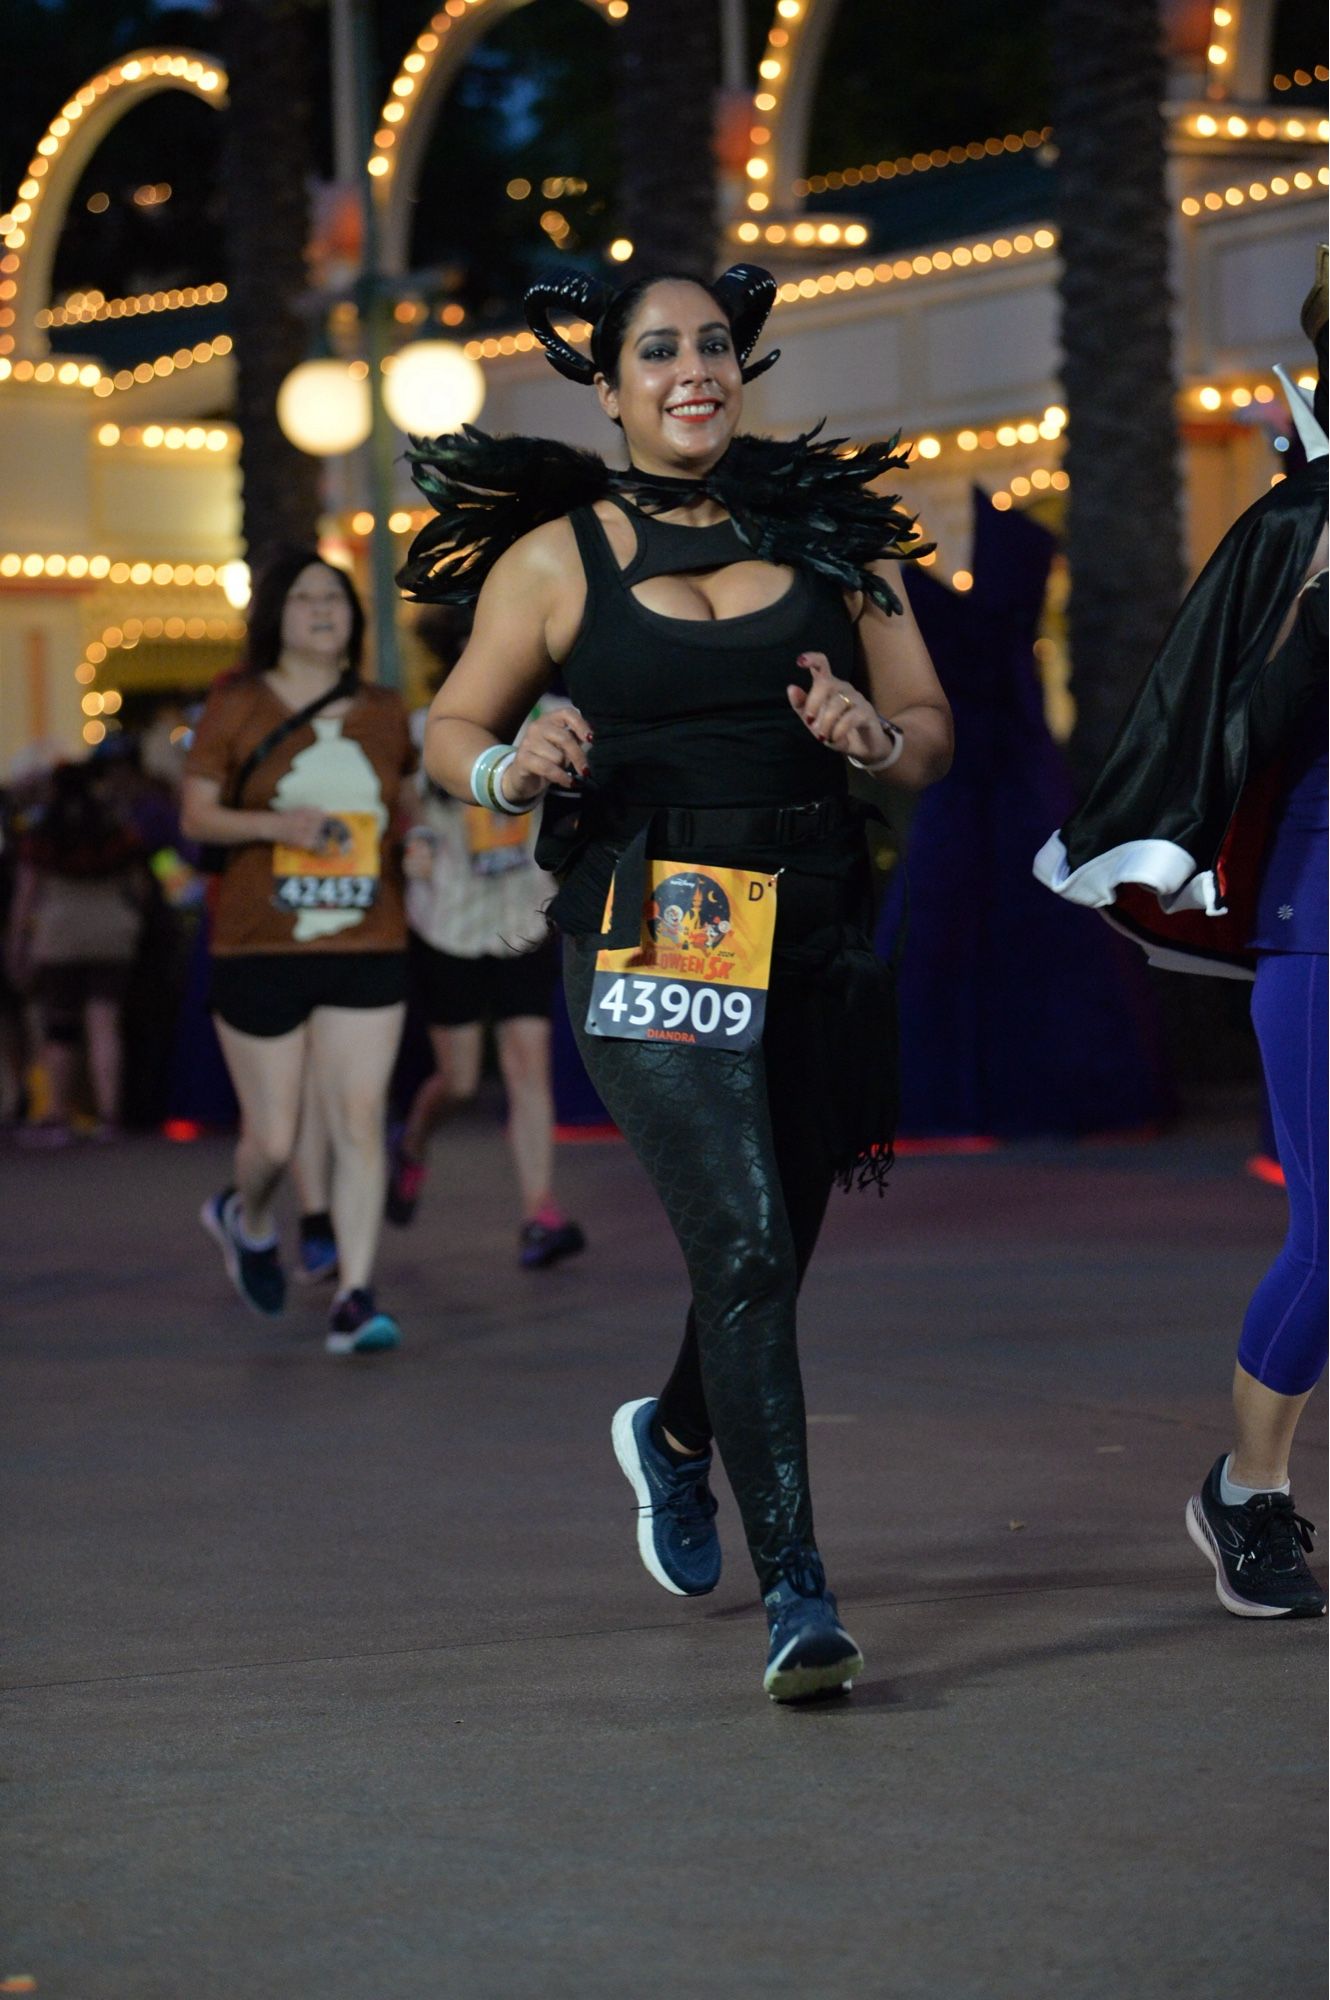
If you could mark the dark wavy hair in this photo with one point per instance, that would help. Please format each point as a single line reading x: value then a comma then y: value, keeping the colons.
x: 272, y: 587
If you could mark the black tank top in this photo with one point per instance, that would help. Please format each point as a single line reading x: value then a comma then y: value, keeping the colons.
x: 690, y: 711
x: 694, y: 711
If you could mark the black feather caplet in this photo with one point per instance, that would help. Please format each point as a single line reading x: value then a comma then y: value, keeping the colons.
x: 801, y: 501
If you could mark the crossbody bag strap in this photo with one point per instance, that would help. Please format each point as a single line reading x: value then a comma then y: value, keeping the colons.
x: 343, y: 686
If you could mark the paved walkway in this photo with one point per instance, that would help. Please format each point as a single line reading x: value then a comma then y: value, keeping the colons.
x: 342, y: 1682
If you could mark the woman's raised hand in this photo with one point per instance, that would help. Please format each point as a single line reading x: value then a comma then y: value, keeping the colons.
x: 837, y: 714
x: 552, y: 751
x: 302, y: 826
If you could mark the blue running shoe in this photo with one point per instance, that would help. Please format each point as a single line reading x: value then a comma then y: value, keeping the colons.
x: 256, y: 1272
x: 357, y: 1327
x: 676, y: 1509
x: 317, y: 1255
x: 811, y: 1653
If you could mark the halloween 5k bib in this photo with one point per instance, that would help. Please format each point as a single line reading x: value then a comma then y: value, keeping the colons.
x: 342, y: 875
x: 700, y: 973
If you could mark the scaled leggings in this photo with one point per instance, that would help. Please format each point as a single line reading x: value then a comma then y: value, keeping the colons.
x: 734, y: 1148
x: 1284, y: 1336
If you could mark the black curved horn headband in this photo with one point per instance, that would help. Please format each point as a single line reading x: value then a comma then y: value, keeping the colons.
x: 746, y: 291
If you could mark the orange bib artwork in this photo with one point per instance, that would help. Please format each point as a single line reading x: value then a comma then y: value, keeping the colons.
x: 700, y: 973
x: 343, y: 874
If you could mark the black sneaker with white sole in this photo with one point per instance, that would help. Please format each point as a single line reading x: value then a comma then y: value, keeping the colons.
x: 1258, y: 1552
x: 256, y: 1273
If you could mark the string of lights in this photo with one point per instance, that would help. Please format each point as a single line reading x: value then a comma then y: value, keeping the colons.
x: 169, y: 437
x: 84, y: 308
x: 110, y: 569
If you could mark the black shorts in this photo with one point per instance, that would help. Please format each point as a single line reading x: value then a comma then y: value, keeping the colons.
x: 456, y: 992
x: 273, y: 992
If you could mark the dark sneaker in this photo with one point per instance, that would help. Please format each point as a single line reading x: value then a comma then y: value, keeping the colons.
x: 256, y: 1274
x: 811, y: 1653
x: 1258, y: 1552
x: 317, y: 1255
x: 540, y: 1244
x: 676, y: 1509
x: 357, y: 1327
x: 406, y: 1179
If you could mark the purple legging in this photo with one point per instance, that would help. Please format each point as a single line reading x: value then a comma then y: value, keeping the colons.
x: 1284, y: 1335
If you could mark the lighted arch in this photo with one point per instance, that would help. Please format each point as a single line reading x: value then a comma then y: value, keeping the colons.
x: 427, y: 73
x: 1237, y: 67
x: 783, y: 101
x: 31, y: 229
x: 1237, y: 70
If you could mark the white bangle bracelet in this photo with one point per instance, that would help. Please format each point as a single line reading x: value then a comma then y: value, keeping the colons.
x: 501, y: 800
x: 897, y: 735
x: 492, y: 754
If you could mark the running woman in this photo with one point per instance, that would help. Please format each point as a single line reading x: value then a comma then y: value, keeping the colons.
x: 1205, y: 837
x: 295, y: 772
x: 726, y: 617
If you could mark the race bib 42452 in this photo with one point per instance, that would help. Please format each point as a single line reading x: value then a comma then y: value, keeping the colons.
x: 342, y: 875
x: 700, y: 973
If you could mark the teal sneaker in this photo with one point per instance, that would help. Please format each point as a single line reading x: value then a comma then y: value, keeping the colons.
x: 357, y: 1327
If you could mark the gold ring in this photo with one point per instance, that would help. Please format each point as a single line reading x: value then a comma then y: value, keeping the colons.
x: 847, y: 699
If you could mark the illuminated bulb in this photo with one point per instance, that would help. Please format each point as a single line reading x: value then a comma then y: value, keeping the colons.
x: 234, y: 578
x: 962, y: 580
x: 757, y: 170
x: 1217, y: 54
x: 85, y: 672
x: 1240, y: 398
x: 323, y: 408
x: 928, y: 447
x: 967, y: 440
x: 1209, y: 399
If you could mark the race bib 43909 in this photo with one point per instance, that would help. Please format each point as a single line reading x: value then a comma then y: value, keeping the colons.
x: 700, y: 973
x: 342, y: 875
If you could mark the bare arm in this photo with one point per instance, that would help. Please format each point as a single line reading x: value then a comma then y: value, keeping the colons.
x: 204, y: 818
x: 902, y: 686
x: 522, y: 626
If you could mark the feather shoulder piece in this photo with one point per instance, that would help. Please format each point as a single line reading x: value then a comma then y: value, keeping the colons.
x: 810, y: 503
x: 487, y: 492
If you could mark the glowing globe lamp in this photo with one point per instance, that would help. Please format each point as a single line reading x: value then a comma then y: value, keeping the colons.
x: 324, y: 407
x: 432, y: 386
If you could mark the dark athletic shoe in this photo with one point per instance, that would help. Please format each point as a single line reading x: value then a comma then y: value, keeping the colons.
x: 1258, y: 1552
x: 811, y: 1653
x: 676, y: 1509
x: 317, y: 1255
x: 256, y: 1274
x: 539, y: 1245
x: 357, y: 1327
x: 406, y: 1180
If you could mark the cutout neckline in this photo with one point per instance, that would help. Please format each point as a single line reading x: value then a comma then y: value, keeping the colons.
x: 639, y: 522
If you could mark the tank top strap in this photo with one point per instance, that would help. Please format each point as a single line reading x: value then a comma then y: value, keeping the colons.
x: 598, y: 559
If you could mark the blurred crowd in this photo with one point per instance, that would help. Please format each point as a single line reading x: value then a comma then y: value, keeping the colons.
x: 100, y: 906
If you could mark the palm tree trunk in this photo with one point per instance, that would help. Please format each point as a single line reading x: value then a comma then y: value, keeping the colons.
x: 668, y: 72
x: 1123, y: 539
x: 267, y: 168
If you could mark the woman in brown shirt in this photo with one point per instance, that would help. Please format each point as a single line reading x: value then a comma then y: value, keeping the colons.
x: 309, y: 933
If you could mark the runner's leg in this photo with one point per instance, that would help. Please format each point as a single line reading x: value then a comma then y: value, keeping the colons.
x: 266, y: 1071
x: 352, y: 1052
